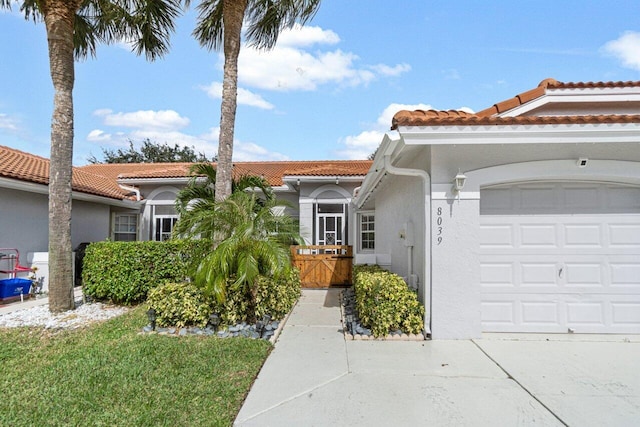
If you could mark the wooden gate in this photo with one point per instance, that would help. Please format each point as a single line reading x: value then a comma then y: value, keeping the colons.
x: 323, y: 266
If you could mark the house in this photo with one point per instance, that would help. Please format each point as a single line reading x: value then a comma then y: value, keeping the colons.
x: 129, y: 202
x: 523, y: 217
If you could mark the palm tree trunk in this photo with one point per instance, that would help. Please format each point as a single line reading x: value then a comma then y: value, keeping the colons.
x: 233, y: 17
x: 59, y: 18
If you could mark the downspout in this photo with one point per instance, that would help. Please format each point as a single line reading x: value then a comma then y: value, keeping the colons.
x: 134, y: 190
x: 426, y: 183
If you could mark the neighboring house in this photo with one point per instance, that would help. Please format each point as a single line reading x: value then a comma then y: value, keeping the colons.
x: 542, y: 233
x: 129, y: 202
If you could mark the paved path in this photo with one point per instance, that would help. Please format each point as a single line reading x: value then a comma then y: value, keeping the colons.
x: 314, y: 377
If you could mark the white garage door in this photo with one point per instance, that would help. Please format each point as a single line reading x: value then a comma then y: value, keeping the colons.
x: 559, y: 257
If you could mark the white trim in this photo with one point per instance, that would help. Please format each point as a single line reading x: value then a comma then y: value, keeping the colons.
x: 521, y: 134
x: 618, y: 171
x: 156, y: 181
x: 329, y: 187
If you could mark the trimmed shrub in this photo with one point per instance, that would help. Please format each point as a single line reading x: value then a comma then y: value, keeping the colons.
x: 385, y: 303
x: 124, y: 272
x: 275, y: 297
x: 179, y: 304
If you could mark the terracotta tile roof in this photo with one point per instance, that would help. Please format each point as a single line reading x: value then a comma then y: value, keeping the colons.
x: 488, y: 116
x: 273, y: 172
x: 16, y: 164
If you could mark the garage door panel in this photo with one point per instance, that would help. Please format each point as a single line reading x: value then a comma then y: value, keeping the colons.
x: 538, y: 274
x: 626, y: 314
x: 625, y: 235
x: 625, y: 274
x: 583, y: 274
x: 497, y: 236
x: 538, y: 236
x: 585, y: 313
x: 583, y: 236
x: 556, y: 257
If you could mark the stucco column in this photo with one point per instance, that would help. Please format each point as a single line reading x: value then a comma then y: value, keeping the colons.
x: 455, y: 267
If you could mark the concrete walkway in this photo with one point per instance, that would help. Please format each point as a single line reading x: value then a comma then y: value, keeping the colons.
x: 314, y: 377
x: 34, y: 302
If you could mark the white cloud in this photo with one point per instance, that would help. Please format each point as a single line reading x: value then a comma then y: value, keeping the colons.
x: 300, y: 36
x: 8, y: 123
x: 245, y: 97
x: 626, y: 49
x: 302, y: 61
x: 145, y: 127
x: 145, y: 119
x: 248, y: 151
x: 387, y: 70
x: 362, y: 145
x: 98, y: 135
x: 365, y: 143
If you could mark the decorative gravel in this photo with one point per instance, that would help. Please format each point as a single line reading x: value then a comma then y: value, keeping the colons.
x: 83, y: 315
x: 243, y: 330
x: 354, y: 330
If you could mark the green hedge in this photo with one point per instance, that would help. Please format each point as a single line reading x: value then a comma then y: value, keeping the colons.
x: 275, y: 297
x: 385, y: 303
x: 124, y: 272
x: 179, y: 304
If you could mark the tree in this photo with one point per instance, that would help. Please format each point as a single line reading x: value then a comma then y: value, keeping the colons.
x: 256, y: 243
x: 151, y: 152
x: 74, y: 28
x: 196, y: 201
x: 220, y: 26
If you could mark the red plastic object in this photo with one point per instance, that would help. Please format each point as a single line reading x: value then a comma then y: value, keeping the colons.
x: 10, y: 262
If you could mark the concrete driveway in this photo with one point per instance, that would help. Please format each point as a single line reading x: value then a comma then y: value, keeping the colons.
x: 314, y: 377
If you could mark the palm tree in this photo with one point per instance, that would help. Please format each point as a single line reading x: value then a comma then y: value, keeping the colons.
x: 220, y: 26
x: 195, y: 202
x: 74, y: 28
x: 256, y: 243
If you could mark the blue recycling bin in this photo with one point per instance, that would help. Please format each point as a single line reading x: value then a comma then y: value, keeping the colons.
x: 12, y: 288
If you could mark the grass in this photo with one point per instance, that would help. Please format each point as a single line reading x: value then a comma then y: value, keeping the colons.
x: 110, y: 375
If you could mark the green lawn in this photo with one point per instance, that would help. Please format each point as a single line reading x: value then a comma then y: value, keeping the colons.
x: 110, y: 375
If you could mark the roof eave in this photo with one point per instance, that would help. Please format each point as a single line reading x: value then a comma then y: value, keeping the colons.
x: 521, y: 134
x: 32, y: 187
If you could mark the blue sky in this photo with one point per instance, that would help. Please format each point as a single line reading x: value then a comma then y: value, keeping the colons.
x: 327, y: 91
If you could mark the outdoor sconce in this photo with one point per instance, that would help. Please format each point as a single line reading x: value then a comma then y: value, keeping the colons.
x: 458, y: 183
x: 151, y: 315
x: 337, y: 180
x: 214, y: 320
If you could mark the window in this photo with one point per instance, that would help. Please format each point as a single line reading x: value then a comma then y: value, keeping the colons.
x: 164, y: 226
x: 164, y: 218
x: 367, y: 232
x: 125, y: 227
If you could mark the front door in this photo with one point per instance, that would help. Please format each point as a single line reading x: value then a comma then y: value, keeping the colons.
x: 330, y: 224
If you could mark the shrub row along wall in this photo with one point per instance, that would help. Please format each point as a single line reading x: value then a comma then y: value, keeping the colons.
x: 385, y: 303
x: 124, y: 272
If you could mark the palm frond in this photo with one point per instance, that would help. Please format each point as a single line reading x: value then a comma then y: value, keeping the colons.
x: 267, y: 18
x: 209, y: 29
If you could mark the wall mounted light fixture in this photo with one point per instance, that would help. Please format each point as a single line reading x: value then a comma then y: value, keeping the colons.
x: 337, y: 180
x: 458, y: 183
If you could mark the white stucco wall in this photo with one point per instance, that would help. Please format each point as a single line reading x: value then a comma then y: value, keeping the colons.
x: 23, y: 221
